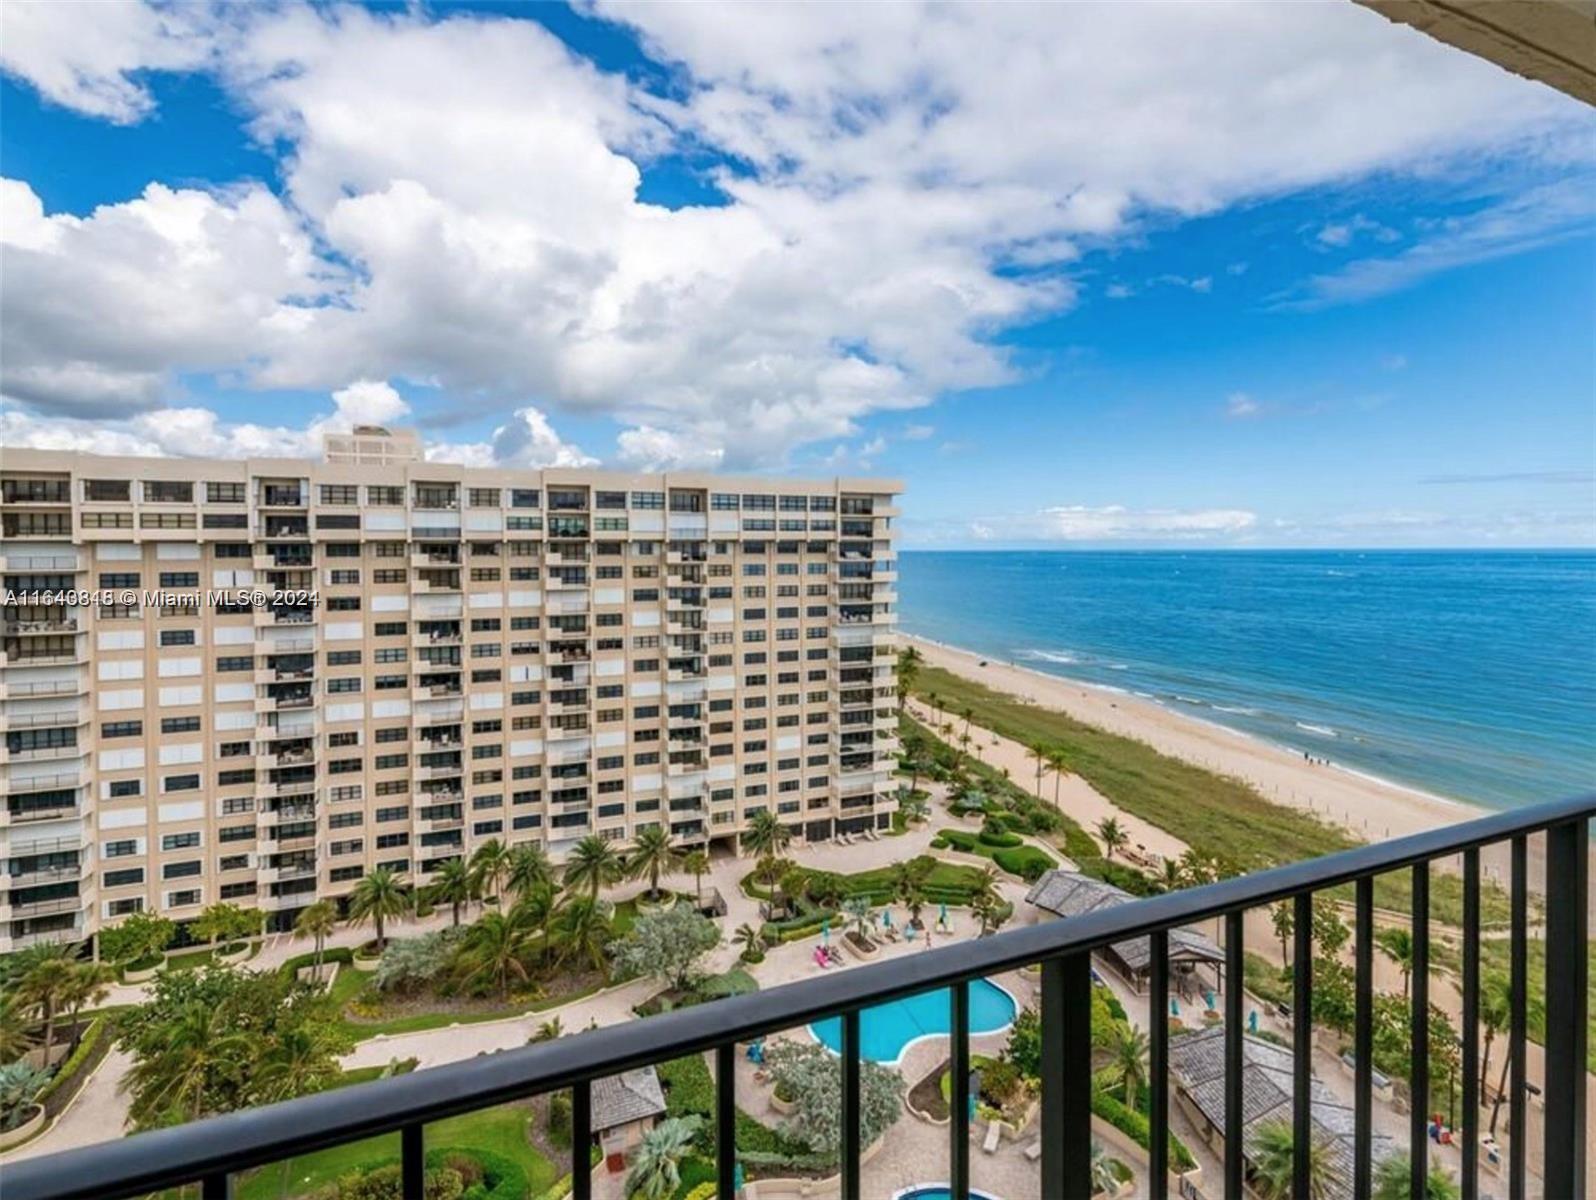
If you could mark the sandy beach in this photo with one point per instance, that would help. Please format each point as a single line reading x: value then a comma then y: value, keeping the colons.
x: 1371, y: 808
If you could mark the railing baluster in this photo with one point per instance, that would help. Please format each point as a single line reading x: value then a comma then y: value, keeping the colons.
x: 959, y: 1091
x: 1419, y: 1027
x: 1302, y: 1045
x: 1518, y: 951
x: 1235, y: 974
x: 412, y: 1161
x: 1470, y: 1025
x: 726, y: 1118
x: 851, y: 1066
x: 582, y: 1140
x: 1158, y: 1069
x: 217, y: 1187
x: 1567, y: 856
x: 1067, y: 1077
x: 1363, y: 1043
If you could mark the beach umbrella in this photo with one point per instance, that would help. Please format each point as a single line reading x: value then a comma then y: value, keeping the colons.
x: 886, y: 918
x: 1174, y: 1007
x: 1252, y: 1021
x: 825, y: 933
x: 942, y: 913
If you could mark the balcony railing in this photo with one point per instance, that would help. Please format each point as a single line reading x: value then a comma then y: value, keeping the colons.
x: 213, y: 1151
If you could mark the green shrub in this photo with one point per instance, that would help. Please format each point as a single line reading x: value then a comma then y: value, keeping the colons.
x: 1000, y: 839
x: 1136, y: 1127
x: 702, y: 1191
x: 559, y: 1122
x: 79, y: 1061
x: 1027, y: 862
x: 696, y: 1173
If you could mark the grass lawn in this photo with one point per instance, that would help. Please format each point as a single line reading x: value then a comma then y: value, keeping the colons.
x: 1214, y: 814
x: 192, y: 960
x: 501, y: 1130
x: 351, y: 983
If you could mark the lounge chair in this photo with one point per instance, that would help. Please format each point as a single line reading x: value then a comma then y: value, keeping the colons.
x: 994, y: 1135
x: 1034, y: 1150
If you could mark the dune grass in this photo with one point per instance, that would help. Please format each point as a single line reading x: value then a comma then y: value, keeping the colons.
x: 1214, y: 814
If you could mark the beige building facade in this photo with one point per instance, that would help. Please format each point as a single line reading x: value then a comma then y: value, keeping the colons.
x: 257, y: 680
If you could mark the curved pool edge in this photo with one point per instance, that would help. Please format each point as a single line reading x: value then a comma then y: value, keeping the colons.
x: 1015, y: 1006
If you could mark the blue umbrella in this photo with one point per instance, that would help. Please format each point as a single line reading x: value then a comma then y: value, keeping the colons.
x: 886, y: 918
x: 942, y: 913
x: 825, y: 933
x: 1174, y: 1007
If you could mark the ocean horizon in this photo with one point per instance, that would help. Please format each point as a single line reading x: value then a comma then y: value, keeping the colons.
x: 1470, y: 674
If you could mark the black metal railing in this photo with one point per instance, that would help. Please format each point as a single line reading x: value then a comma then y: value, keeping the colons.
x: 213, y: 1151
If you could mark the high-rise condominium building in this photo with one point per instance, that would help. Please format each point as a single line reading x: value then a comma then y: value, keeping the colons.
x: 521, y: 655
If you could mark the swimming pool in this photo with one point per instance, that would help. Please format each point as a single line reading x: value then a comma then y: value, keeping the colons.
x: 887, y: 1030
x: 934, y: 1191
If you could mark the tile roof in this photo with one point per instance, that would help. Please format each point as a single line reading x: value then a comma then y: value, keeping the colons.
x: 629, y: 1096
x: 1070, y: 894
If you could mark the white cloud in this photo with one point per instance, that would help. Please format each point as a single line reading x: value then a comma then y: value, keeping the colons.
x: 1118, y: 291
x: 1240, y: 406
x: 488, y: 240
x: 650, y: 449
x: 85, y: 57
x: 918, y: 433
x: 1075, y: 523
x: 1542, y: 216
x: 525, y: 440
x: 1342, y: 233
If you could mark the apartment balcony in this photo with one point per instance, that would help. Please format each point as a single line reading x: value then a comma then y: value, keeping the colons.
x: 37, y: 720
x: 439, y: 771
x: 437, y: 712
x: 437, y: 559
x: 571, y: 652
x: 267, y: 618
x: 65, y: 658
x: 34, y: 628
x: 296, y: 870
x: 428, y: 640
x: 33, y: 877
x: 217, y: 1152
x: 435, y: 691
x: 45, y: 908
x: 691, y: 766
x: 15, y: 562
x: 42, y: 754
x: 426, y: 744
x: 274, y: 496
x: 557, y: 733
x: 43, y: 687
x: 289, y: 814
x: 305, y: 841
x: 565, y: 558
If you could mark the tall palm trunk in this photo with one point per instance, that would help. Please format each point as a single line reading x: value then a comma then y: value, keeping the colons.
x: 1501, y: 1087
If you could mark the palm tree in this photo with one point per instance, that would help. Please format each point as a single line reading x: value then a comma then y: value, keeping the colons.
x: 1058, y: 763
x: 44, y: 981
x: 750, y: 939
x: 1272, y: 1163
x: 380, y: 895
x: 529, y: 870
x: 909, y: 660
x: 593, y: 864
x: 89, y: 983
x: 1037, y: 753
x: 15, y: 1038
x: 766, y: 836
x: 655, y: 1172
x: 908, y: 884
x: 652, y: 855
x: 1113, y: 835
x: 585, y: 932
x: 489, y: 865
x: 548, y: 1031
x: 967, y: 713
x: 964, y: 744
x: 535, y: 910
x: 493, y: 951
x: 171, y: 1084
x: 1130, y: 1057
x: 453, y: 884
x: 1397, y: 945
x: 304, y: 1060
x: 1283, y: 918
x: 318, y: 921
x: 1171, y: 880
x: 696, y: 864
x: 1496, y: 1011
x: 1393, y: 1180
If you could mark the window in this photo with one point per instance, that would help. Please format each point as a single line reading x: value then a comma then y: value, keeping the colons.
x: 123, y: 878
x: 224, y: 493
x: 340, y: 493
x: 164, y: 492
x: 179, y: 579
x: 242, y: 662
x: 483, y: 497
x: 106, y: 490
x: 177, y: 637
x: 116, y: 729
x: 180, y: 724
x: 383, y: 496
x: 181, y: 870
x: 648, y: 499
x: 181, y: 783
x: 180, y: 841
x: 121, y: 788
x: 124, y: 848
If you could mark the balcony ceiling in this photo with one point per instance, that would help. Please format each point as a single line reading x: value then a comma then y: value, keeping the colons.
x: 1553, y: 41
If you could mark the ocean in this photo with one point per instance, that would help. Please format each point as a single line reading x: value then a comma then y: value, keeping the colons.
x: 1470, y: 674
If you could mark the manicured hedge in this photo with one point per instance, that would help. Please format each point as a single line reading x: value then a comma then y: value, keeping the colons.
x: 342, y: 955
x: 1136, y: 1127
x: 689, y: 1091
x: 1007, y: 850
x: 703, y: 1191
x: 75, y: 1068
x: 1001, y: 841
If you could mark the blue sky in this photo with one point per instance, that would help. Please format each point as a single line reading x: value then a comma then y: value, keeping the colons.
x: 1290, y: 277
